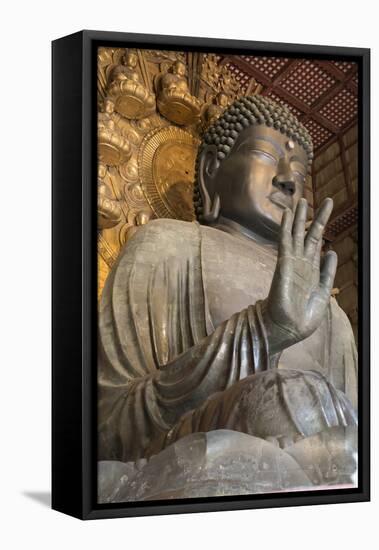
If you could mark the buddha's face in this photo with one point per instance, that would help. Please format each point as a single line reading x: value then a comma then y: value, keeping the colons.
x: 101, y: 170
x: 222, y: 100
x: 263, y: 174
x: 179, y: 68
x: 131, y: 60
x: 108, y: 107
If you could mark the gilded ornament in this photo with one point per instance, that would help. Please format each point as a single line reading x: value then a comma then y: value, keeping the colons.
x: 135, y: 220
x: 131, y: 98
x: 108, y: 209
x: 113, y: 148
x: 175, y: 101
x: 134, y: 195
x: 215, y: 109
x: 129, y: 171
x: 166, y: 166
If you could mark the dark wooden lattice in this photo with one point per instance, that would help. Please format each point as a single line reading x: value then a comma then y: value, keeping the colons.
x: 270, y: 66
x: 342, y: 108
x: 308, y: 82
x: 342, y: 223
x: 242, y: 78
x: 319, y: 133
x: 322, y: 93
x: 324, y: 96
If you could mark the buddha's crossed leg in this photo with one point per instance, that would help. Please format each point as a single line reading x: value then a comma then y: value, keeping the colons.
x: 279, y: 404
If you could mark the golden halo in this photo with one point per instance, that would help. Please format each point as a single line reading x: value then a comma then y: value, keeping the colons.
x: 167, y: 171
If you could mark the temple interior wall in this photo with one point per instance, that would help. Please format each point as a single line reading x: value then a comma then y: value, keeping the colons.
x: 335, y: 175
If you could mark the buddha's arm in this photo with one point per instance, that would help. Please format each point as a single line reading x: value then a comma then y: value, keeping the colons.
x: 134, y: 415
x: 236, y: 349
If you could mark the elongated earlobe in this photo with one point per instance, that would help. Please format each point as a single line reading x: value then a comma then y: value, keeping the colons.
x: 208, y: 167
x: 213, y: 213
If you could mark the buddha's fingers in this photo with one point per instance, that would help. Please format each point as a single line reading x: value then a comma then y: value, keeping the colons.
x: 298, y: 229
x: 285, y: 238
x: 317, y: 228
x: 328, y: 272
x: 317, y: 258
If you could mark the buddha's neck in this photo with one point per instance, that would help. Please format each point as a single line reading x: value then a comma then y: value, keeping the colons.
x: 238, y: 230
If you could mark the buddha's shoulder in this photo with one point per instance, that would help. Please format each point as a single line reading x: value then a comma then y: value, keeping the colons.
x: 163, y: 238
x: 165, y: 229
x: 165, y: 232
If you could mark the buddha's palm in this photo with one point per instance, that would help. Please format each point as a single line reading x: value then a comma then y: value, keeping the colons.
x: 300, y: 292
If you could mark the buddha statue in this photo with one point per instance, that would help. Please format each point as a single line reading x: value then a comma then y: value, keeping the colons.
x: 174, y: 99
x: 131, y: 98
x: 105, y: 116
x: 221, y: 348
x: 215, y: 109
x: 108, y: 208
x: 126, y: 70
x: 113, y: 147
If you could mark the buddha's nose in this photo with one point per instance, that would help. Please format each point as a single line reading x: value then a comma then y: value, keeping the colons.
x: 285, y: 183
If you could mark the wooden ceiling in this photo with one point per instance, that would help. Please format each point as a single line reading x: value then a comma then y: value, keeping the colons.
x: 322, y: 94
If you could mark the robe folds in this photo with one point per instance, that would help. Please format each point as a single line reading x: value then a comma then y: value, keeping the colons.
x: 180, y: 320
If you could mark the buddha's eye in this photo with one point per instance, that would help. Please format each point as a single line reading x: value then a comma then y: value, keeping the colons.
x: 262, y: 155
x: 299, y: 175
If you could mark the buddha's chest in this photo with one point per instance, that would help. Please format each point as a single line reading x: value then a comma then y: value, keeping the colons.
x: 236, y: 275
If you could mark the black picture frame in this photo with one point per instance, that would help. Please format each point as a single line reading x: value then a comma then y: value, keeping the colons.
x: 75, y: 284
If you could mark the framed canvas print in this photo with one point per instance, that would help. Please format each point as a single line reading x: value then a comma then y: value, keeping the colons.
x: 210, y: 274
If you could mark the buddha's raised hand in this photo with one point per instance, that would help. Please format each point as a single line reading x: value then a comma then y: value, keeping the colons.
x: 300, y: 291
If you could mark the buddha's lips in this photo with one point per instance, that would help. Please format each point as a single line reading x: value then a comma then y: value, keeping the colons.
x: 284, y: 201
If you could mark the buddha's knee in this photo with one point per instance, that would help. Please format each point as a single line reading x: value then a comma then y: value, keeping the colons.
x: 284, y: 403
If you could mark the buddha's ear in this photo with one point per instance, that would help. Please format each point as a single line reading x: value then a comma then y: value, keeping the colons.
x: 208, y: 166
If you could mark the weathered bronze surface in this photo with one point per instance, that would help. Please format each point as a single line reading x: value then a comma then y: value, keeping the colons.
x: 195, y: 467
x: 218, y: 338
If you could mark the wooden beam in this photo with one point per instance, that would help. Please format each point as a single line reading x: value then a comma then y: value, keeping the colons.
x: 332, y: 91
x: 333, y: 238
x: 334, y: 138
x: 348, y: 182
x: 321, y: 120
x: 314, y: 173
x: 249, y: 69
x: 330, y: 68
x: 284, y: 71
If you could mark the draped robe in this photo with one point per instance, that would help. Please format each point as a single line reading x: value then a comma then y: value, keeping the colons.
x: 179, y: 320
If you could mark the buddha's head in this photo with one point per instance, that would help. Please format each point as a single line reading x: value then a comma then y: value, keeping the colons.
x: 251, y: 165
x: 108, y: 106
x: 221, y: 99
x: 130, y: 59
x: 179, y: 68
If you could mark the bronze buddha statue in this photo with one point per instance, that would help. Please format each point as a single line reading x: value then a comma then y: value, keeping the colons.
x: 221, y: 334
